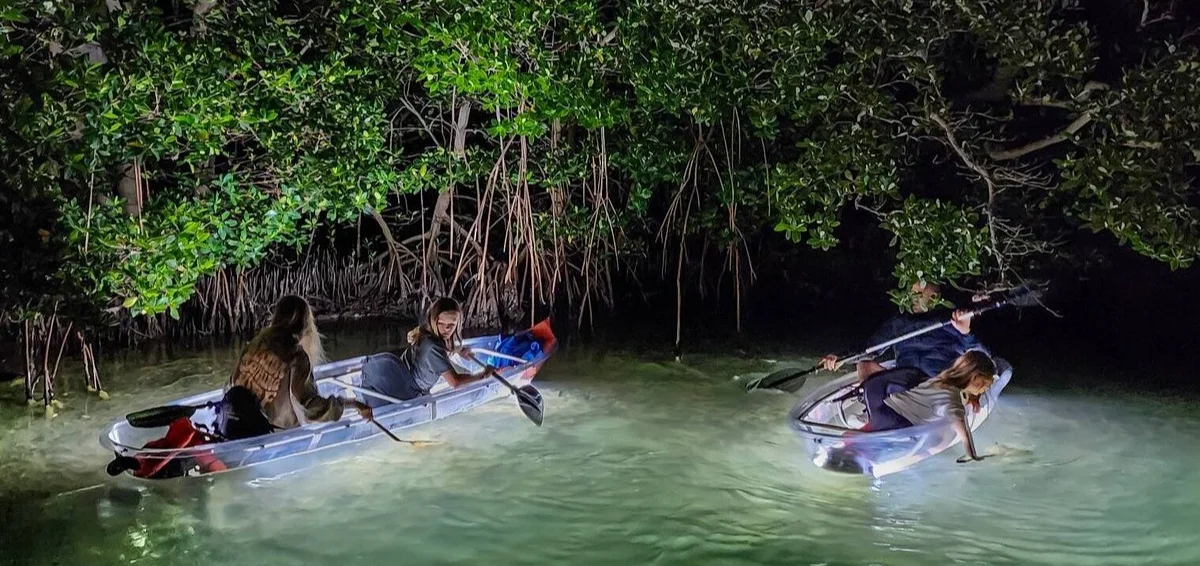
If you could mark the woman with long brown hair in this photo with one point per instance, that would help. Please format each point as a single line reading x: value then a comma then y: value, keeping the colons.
x: 939, y: 398
x: 411, y: 371
x: 275, y: 374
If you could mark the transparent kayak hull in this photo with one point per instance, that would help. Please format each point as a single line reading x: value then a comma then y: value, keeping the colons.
x: 823, y: 425
x: 125, y: 440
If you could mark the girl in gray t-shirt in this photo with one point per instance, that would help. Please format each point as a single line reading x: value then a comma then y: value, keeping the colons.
x: 936, y: 399
x: 412, y: 371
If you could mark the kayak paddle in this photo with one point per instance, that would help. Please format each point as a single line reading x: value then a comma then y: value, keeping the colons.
x: 389, y: 399
x: 165, y: 415
x: 529, y: 399
x: 417, y: 443
x: 792, y: 379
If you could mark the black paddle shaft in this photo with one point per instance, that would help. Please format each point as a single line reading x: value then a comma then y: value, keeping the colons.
x: 164, y: 415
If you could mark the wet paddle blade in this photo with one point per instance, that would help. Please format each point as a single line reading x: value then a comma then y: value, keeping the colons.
x: 160, y: 416
x: 529, y: 399
x: 788, y: 379
x: 414, y: 443
x: 792, y: 384
x: 421, y: 443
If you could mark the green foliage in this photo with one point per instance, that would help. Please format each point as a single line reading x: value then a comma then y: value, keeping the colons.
x: 937, y: 242
x: 236, y: 144
x: 810, y: 192
x: 240, y: 129
x: 156, y: 263
x: 1132, y: 179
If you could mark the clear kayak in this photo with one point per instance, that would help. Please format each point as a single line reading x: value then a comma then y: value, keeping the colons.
x: 829, y: 428
x: 192, y: 451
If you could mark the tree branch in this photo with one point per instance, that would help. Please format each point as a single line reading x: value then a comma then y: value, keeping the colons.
x: 1166, y: 16
x: 1046, y: 102
x: 425, y: 125
x: 1089, y: 88
x: 987, y: 179
x: 962, y: 153
x: 393, y: 246
x: 608, y: 37
x: 1143, y: 145
x: 1071, y: 129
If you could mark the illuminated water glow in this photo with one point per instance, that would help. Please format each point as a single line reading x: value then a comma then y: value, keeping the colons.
x: 639, y: 462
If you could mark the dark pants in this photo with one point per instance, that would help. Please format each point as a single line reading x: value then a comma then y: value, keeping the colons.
x: 386, y: 374
x: 883, y: 385
x: 242, y: 415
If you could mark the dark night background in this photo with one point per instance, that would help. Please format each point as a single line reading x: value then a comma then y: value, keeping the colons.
x: 1122, y: 321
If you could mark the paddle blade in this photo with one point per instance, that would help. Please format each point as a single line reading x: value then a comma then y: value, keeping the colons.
x: 788, y: 379
x: 160, y: 416
x: 529, y: 399
x: 421, y: 443
x: 414, y: 443
x: 792, y: 384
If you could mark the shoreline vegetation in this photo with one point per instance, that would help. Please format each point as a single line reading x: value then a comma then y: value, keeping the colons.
x: 175, y: 167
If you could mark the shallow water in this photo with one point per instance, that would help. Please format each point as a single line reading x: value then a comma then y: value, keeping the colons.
x: 639, y: 462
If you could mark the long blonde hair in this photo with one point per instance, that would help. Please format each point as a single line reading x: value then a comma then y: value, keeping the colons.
x: 428, y: 327
x: 967, y: 367
x: 294, y: 317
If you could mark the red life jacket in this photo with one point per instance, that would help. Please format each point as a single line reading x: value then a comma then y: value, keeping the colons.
x: 181, y: 434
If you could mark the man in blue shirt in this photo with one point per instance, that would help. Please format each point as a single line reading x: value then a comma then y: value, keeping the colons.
x: 920, y: 357
x: 931, y: 352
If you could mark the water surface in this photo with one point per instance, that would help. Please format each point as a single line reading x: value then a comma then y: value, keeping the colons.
x: 641, y: 461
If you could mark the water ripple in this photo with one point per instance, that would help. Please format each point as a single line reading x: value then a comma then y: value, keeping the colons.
x: 639, y: 463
